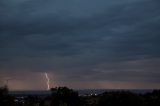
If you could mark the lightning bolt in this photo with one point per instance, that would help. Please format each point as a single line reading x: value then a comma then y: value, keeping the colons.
x: 47, y: 81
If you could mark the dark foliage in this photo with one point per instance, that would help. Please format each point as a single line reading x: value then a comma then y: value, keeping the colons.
x: 63, y: 96
x: 152, y: 99
x: 120, y: 98
x: 5, y: 99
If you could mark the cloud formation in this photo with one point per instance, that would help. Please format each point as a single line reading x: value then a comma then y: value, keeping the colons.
x: 81, y: 40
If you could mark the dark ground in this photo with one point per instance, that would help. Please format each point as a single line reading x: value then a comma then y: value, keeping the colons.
x: 63, y: 96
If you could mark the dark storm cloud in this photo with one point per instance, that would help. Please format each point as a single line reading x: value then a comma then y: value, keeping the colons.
x: 76, y: 37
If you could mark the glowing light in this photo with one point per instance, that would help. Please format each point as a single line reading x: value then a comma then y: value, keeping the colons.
x: 47, y: 81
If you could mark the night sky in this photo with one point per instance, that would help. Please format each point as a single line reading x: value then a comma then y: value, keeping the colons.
x: 80, y: 44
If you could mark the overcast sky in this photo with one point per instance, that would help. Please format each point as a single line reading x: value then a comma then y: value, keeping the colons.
x: 80, y: 43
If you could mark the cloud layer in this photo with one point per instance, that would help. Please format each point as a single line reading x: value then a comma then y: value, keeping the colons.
x: 81, y: 40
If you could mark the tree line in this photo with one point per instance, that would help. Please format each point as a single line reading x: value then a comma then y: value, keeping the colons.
x: 63, y: 96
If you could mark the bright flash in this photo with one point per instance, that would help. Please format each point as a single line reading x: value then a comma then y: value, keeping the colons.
x: 47, y: 81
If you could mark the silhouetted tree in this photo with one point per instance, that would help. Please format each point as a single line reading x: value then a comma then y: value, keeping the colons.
x: 5, y: 99
x: 63, y: 96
